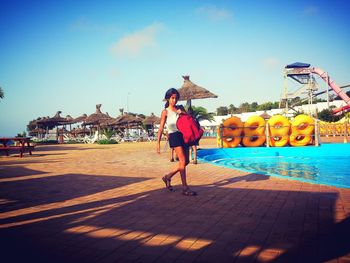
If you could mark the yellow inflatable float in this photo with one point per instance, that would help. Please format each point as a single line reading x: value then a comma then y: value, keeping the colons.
x: 302, y: 130
x: 254, y: 132
x: 231, y: 133
x: 279, y: 130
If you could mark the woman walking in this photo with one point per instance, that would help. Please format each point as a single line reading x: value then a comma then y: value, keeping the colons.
x: 169, y: 117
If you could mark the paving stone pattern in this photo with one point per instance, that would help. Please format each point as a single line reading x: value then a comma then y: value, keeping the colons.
x: 107, y: 203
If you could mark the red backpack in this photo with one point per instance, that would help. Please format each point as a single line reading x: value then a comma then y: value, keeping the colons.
x: 190, y: 129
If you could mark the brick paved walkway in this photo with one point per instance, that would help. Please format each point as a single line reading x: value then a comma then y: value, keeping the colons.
x: 95, y: 203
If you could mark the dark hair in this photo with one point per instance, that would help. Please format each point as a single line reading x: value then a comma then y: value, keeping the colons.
x: 190, y: 110
x: 168, y: 94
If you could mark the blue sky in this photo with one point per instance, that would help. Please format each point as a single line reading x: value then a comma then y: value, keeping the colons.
x: 72, y: 55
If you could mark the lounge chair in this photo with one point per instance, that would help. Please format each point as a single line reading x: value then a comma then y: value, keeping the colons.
x: 93, y: 139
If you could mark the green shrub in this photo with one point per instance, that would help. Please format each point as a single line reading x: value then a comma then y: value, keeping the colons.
x: 23, y: 134
x: 328, y: 116
x: 108, y: 133
x: 72, y: 142
x: 46, y: 142
x: 106, y: 141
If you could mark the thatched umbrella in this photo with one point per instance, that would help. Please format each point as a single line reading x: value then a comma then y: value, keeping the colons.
x: 37, y: 132
x: 62, y: 130
x: 126, y: 120
x: 190, y: 91
x: 97, y: 118
x: 37, y: 123
x: 81, y: 118
x: 53, y: 121
x: 69, y: 120
x: 33, y: 124
x: 106, y: 123
x: 151, y: 120
x: 265, y: 116
x: 80, y: 130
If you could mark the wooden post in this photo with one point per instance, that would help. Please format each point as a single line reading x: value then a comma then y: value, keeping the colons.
x: 316, y: 134
x: 267, y: 133
x: 346, y: 132
x: 221, y: 135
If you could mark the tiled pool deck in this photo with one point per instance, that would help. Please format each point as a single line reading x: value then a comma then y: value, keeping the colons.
x: 95, y: 203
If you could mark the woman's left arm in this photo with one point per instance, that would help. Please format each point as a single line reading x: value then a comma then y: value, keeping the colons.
x: 160, y: 130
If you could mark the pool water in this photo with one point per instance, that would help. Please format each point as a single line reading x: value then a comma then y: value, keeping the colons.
x: 327, y: 164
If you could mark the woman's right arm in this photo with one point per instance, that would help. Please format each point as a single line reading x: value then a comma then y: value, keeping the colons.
x: 161, y: 128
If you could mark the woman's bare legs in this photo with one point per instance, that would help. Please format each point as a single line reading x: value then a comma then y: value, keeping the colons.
x: 194, y: 151
x: 183, y: 154
x: 172, y: 155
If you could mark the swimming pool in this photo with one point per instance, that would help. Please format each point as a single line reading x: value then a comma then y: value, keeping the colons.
x: 327, y: 164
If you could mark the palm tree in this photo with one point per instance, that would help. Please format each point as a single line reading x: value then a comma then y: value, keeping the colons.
x: 201, y: 113
x: 108, y: 133
x: 2, y: 94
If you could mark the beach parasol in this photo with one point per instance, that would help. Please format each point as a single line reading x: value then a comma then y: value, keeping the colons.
x: 151, y: 120
x: 265, y: 116
x: 126, y: 120
x: 62, y: 130
x: 69, y: 120
x: 53, y: 121
x: 37, y: 131
x: 81, y: 118
x: 107, y: 122
x: 97, y: 118
x: 83, y: 130
x: 190, y: 91
x: 33, y: 124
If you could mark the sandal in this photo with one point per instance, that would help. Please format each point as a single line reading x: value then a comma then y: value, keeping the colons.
x: 189, y: 192
x: 166, y: 180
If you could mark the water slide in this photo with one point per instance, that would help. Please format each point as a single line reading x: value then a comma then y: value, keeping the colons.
x: 336, y: 89
x: 297, y: 69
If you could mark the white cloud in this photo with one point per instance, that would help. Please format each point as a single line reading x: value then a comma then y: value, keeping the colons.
x: 214, y: 13
x: 310, y: 10
x: 271, y: 63
x: 134, y: 44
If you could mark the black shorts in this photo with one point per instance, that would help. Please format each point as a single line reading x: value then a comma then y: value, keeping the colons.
x: 176, y: 139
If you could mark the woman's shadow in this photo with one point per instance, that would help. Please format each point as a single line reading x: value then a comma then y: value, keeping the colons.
x: 248, y: 178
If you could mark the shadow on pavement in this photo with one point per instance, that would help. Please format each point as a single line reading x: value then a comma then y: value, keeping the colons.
x: 57, y: 188
x: 220, y: 224
x: 16, y: 171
